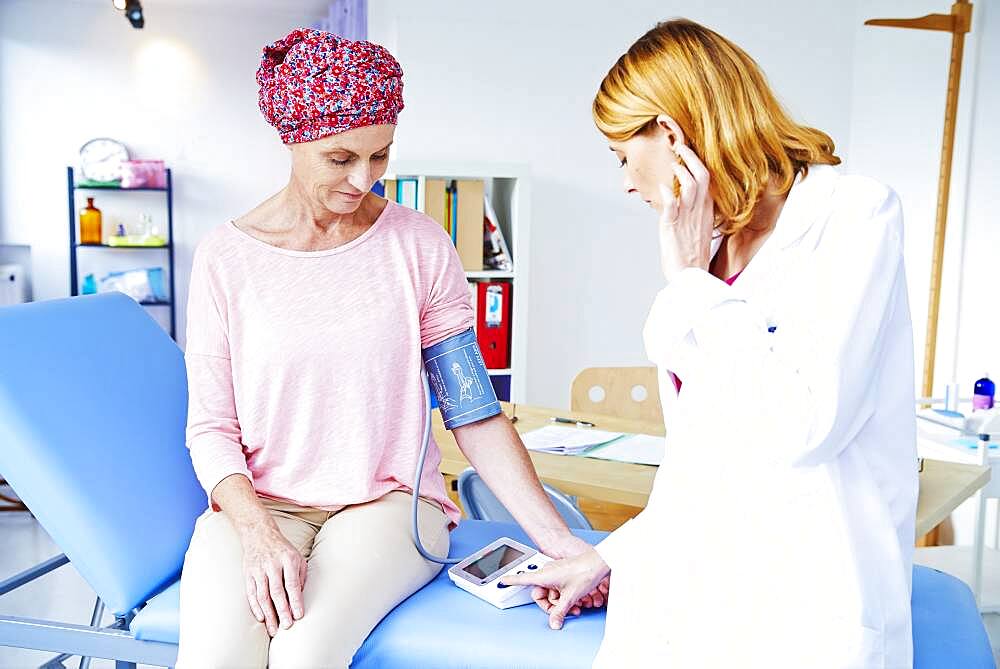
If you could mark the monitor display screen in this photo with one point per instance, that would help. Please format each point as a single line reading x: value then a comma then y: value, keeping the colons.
x: 493, y: 562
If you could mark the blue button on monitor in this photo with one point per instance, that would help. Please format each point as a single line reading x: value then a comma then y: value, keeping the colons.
x: 532, y: 566
x: 502, y: 585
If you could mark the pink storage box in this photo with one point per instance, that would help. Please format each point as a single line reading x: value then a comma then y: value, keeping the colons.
x: 144, y: 174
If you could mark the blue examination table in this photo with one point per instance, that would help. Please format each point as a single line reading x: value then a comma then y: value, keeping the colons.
x: 92, y: 417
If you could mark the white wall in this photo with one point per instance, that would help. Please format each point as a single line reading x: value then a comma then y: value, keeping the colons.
x: 896, y: 130
x: 513, y: 82
x: 182, y: 89
x: 977, y: 347
x: 897, y: 123
x: 510, y: 82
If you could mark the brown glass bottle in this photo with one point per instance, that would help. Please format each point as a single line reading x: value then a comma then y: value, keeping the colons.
x: 90, y: 223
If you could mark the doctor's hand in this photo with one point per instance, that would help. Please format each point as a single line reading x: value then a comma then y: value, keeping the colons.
x: 566, y: 545
x: 562, y: 584
x: 275, y: 574
x: 687, y: 220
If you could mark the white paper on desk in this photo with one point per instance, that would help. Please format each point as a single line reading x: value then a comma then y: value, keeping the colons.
x: 643, y: 449
x: 569, y: 440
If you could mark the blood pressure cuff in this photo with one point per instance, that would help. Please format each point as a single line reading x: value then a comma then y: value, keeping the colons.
x: 460, y: 381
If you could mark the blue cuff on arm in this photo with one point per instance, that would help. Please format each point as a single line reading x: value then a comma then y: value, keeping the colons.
x: 460, y: 381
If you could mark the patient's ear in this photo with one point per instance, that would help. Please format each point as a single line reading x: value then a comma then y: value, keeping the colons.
x: 674, y: 134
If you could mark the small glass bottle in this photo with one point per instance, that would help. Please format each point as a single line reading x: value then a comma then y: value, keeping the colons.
x: 90, y: 223
x: 982, y: 396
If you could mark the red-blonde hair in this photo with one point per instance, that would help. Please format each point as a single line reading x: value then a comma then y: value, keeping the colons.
x: 722, y: 102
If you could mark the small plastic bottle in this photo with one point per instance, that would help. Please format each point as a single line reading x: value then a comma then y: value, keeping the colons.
x: 89, y: 285
x: 982, y: 395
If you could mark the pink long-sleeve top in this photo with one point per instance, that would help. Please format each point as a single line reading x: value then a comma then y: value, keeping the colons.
x: 304, y: 366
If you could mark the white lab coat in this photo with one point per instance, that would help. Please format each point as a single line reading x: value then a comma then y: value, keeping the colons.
x: 779, y: 533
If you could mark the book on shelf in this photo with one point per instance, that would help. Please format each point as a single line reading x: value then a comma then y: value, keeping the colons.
x: 406, y: 192
x: 493, y: 313
x: 469, y: 219
x: 451, y: 206
x: 435, y: 202
x: 462, y: 208
x: 474, y: 299
x: 386, y: 188
x: 496, y: 253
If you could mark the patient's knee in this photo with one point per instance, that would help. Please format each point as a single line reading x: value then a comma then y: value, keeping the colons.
x: 212, y: 643
x: 307, y: 644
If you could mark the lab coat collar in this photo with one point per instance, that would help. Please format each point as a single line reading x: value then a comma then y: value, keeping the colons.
x: 805, y: 204
x: 800, y: 210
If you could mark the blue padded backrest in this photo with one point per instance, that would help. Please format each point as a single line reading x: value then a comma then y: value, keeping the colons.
x: 93, y: 405
x: 480, y: 503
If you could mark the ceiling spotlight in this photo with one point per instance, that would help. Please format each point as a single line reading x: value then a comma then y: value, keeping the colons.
x: 119, y: 5
x: 133, y: 12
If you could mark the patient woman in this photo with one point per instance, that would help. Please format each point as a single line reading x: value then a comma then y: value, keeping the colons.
x: 306, y: 321
x: 779, y: 532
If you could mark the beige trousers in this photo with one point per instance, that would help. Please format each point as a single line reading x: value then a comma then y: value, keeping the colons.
x: 361, y: 564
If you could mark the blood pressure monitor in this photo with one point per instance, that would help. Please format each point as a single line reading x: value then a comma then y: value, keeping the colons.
x: 480, y: 573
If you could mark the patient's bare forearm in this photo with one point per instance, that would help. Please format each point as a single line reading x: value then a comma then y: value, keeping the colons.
x: 495, y: 449
x: 238, y: 500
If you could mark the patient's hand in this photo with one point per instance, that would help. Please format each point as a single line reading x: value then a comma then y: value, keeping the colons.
x: 596, y: 599
x: 275, y: 574
x: 563, y: 586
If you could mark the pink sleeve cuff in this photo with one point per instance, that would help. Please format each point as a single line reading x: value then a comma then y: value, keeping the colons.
x: 214, y: 460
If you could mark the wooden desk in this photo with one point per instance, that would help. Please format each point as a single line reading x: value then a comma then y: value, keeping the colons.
x: 616, y: 482
x: 943, y: 485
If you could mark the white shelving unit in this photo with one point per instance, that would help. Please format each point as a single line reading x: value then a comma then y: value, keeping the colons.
x: 490, y: 274
x: 509, y: 189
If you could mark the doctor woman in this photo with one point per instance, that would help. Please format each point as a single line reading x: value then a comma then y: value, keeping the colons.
x: 783, y: 340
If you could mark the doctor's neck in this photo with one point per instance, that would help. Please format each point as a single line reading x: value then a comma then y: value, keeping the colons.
x: 765, y: 213
x: 740, y: 247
